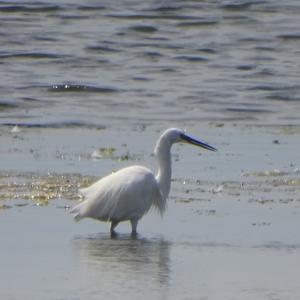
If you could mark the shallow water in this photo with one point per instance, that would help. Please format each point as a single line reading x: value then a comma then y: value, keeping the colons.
x: 91, y: 85
x: 184, y: 256
x: 231, y: 229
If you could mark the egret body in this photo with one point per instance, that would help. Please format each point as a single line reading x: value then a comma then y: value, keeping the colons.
x: 129, y: 193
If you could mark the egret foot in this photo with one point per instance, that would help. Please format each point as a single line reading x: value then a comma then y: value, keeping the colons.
x: 133, y: 226
x: 113, y: 225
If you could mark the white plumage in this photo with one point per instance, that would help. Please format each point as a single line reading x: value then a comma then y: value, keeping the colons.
x: 129, y: 193
x: 124, y: 195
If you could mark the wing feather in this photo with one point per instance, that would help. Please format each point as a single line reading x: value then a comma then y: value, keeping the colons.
x: 124, y: 195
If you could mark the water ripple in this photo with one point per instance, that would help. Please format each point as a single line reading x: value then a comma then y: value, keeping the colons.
x: 150, y: 60
x: 55, y: 125
x: 33, y: 55
x: 30, y: 7
x: 81, y: 88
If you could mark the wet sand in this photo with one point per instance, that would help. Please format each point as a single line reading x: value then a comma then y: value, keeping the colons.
x: 231, y: 230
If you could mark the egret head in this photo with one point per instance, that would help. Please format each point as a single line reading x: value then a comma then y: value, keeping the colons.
x: 175, y: 135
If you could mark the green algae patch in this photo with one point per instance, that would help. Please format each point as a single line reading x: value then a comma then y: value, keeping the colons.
x: 105, y: 152
x: 268, y: 173
x: 41, y: 189
x: 112, y: 153
x: 263, y: 188
x: 5, y: 206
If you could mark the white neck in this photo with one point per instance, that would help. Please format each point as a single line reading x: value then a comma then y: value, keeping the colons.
x: 163, y: 156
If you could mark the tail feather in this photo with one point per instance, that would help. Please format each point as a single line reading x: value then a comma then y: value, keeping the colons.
x: 77, y: 217
x: 76, y: 211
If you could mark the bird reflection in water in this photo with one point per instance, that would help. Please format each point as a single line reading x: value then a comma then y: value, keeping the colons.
x: 124, y: 263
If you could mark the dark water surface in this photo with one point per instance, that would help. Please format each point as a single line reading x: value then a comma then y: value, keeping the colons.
x: 96, y: 63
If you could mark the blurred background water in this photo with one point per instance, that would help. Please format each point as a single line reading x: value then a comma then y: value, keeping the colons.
x: 94, y: 63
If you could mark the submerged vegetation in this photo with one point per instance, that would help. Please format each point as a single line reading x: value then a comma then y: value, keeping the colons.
x: 40, y: 188
x: 263, y: 188
x: 110, y: 152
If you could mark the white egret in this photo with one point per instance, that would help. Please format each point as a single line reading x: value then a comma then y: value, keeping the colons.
x: 129, y: 193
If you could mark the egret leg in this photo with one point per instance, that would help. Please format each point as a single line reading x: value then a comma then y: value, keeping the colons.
x: 133, y: 226
x: 113, y: 225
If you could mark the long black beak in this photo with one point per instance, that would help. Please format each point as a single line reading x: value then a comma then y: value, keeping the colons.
x: 195, y: 142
